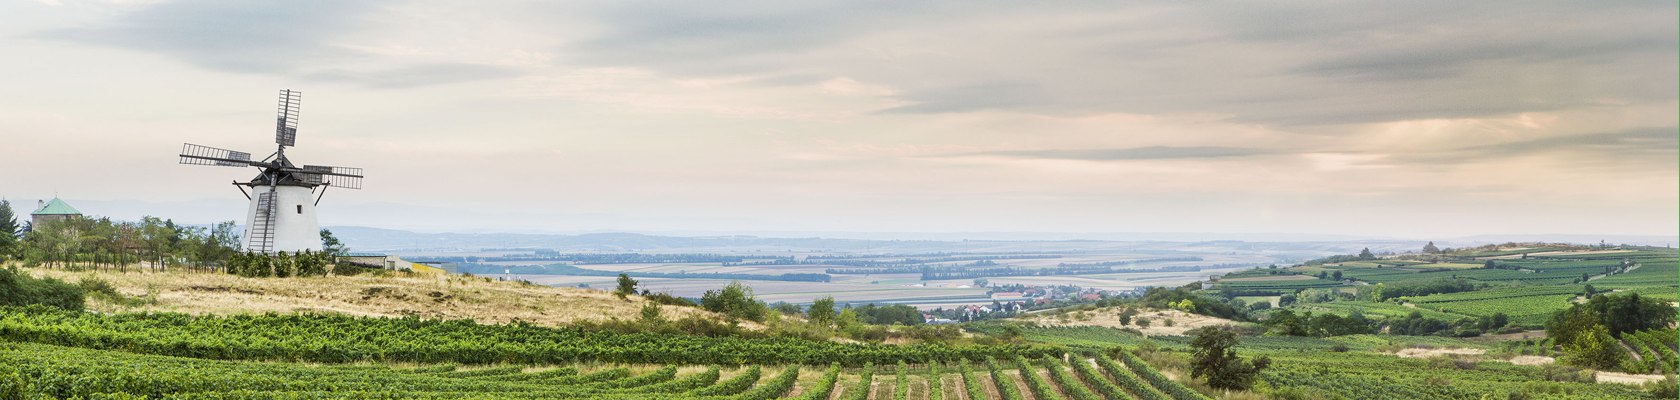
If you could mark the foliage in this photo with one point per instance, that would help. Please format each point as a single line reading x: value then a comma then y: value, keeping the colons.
x: 821, y: 311
x: 893, y: 314
x: 1286, y: 322
x: 331, y: 245
x: 9, y: 230
x: 734, y: 300
x: 339, y: 338
x: 1216, y: 360
x: 1095, y: 380
x: 100, y: 242
x: 1200, y: 304
x: 860, y: 390
x: 626, y: 287
x: 776, y: 387
x: 1005, y: 387
x: 824, y: 386
x: 1074, y: 387
x: 1618, y: 314
x: 33, y: 370
x: 1040, y: 388
x: 901, y: 382
x: 936, y: 385
x: 1131, y: 380
x: 1383, y: 291
x: 971, y: 385
x: 19, y: 289
x: 736, y: 384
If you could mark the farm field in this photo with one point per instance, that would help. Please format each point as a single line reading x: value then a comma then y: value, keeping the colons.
x: 31, y: 369
x: 1527, y: 306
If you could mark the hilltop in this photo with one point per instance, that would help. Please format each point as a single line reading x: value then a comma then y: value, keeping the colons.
x: 432, y: 297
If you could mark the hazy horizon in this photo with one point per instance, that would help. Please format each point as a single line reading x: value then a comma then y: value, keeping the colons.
x: 1387, y: 120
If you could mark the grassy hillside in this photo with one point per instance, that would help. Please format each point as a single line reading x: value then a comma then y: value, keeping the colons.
x: 448, y: 297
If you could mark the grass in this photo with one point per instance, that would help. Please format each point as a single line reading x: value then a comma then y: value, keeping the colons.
x: 451, y: 297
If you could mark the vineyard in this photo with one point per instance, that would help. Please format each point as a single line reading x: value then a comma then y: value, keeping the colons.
x: 331, y: 338
x: 29, y: 369
x: 1372, y: 376
x: 1526, y: 306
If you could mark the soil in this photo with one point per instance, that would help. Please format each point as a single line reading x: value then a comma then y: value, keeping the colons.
x: 1110, y: 317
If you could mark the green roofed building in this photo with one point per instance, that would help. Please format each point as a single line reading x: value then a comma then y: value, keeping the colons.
x: 53, y: 210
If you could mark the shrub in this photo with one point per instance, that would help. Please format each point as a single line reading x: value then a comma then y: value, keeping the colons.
x: 18, y: 289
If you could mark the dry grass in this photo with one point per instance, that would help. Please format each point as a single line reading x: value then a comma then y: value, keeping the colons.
x: 1110, y: 317
x: 437, y: 297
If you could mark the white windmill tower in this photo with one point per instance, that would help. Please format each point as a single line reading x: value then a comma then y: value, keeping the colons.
x: 283, y: 197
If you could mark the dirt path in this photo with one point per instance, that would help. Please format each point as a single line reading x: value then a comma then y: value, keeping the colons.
x: 1426, y: 353
x: 1110, y: 318
x: 1532, y: 360
x: 989, y: 386
x: 1630, y: 379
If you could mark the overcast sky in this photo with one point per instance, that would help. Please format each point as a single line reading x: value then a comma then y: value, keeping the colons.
x: 1403, y: 119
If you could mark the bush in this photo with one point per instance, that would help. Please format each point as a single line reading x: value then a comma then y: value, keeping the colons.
x: 18, y: 289
x: 736, y: 301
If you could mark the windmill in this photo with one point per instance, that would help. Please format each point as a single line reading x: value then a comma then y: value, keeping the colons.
x: 283, y: 196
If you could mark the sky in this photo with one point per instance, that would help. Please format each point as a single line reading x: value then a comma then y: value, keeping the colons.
x: 1395, y: 119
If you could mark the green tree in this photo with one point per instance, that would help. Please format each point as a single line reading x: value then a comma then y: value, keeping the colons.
x: 735, y: 301
x: 1336, y: 275
x: 10, y: 232
x: 1365, y: 254
x: 1126, y: 316
x: 1430, y: 248
x: 650, y: 313
x: 331, y: 245
x: 626, y: 287
x: 1216, y: 359
x: 1594, y: 348
x: 821, y: 311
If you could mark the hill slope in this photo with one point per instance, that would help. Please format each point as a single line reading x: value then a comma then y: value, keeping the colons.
x: 448, y: 297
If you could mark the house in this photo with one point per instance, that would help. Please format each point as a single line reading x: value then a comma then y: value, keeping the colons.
x: 388, y: 262
x: 1090, y: 297
x: 1007, y: 296
x: 53, y: 210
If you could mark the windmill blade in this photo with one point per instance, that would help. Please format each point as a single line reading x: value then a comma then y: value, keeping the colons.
x: 341, y: 177
x: 192, y: 154
x: 286, y: 120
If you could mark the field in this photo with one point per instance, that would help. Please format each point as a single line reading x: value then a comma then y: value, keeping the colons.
x: 451, y: 297
x: 1374, y: 309
x: 1526, y: 306
x: 28, y: 369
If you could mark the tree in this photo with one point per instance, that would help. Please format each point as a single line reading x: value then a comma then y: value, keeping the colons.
x: 1142, y: 322
x: 650, y: 313
x: 626, y: 286
x: 735, y: 301
x: 1126, y: 316
x: 10, y: 232
x: 1595, y: 348
x: 1431, y: 249
x: 330, y: 244
x: 822, y: 310
x: 1365, y: 254
x: 1489, y: 265
x: 1216, y: 359
x: 1336, y: 275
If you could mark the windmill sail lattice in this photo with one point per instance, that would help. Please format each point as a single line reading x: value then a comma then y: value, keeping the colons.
x: 286, y: 119
x: 281, y: 214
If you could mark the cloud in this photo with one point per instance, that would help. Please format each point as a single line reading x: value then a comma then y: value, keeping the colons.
x: 293, y: 38
x: 413, y: 76
x: 1306, y: 66
x: 1124, y: 154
